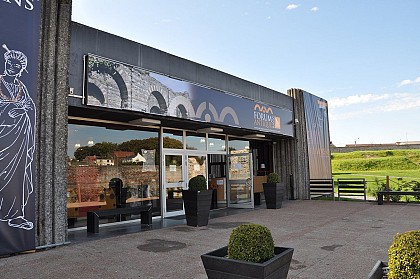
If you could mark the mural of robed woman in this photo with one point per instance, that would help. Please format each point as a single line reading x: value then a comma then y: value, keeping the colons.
x: 17, y: 142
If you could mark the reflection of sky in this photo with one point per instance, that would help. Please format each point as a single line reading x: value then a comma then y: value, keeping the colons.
x: 174, y: 84
x: 238, y: 144
x: 80, y: 134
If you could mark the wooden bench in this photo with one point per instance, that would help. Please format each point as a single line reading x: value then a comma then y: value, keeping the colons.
x: 321, y: 187
x: 381, y: 194
x: 145, y: 212
x: 351, y: 187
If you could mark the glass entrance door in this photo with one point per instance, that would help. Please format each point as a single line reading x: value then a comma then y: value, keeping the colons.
x: 240, y: 191
x: 174, y: 181
x: 179, y: 168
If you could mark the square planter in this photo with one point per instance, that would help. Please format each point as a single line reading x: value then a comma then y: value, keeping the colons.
x: 218, y: 266
x: 197, y: 207
x: 273, y: 193
x: 379, y: 271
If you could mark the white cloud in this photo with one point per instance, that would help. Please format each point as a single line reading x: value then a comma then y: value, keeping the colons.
x: 355, y: 99
x: 408, y: 81
x: 379, y: 104
x: 315, y: 9
x: 292, y: 6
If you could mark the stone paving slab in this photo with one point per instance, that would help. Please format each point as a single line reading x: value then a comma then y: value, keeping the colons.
x: 331, y: 240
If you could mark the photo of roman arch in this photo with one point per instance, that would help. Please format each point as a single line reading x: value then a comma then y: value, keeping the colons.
x: 115, y: 85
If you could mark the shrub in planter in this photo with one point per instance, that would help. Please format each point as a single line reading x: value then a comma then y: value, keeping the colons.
x: 273, y: 178
x: 250, y: 254
x: 197, y: 201
x: 197, y: 183
x: 252, y: 243
x: 404, y: 256
x: 273, y: 191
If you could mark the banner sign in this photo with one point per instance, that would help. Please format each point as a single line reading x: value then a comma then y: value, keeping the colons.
x: 19, y: 41
x: 119, y: 86
x: 318, y: 136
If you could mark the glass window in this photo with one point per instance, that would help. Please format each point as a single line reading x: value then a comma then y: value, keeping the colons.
x: 173, y: 139
x: 217, y: 143
x: 196, y: 141
x: 110, y: 168
x: 238, y: 146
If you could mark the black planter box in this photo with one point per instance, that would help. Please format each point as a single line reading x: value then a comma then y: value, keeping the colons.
x: 378, y: 271
x: 218, y: 266
x: 274, y: 193
x: 197, y: 207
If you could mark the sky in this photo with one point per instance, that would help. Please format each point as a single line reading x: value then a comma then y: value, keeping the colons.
x: 362, y: 56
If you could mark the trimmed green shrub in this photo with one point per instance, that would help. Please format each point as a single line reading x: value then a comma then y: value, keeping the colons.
x: 197, y: 183
x: 273, y: 178
x: 404, y: 256
x: 252, y: 243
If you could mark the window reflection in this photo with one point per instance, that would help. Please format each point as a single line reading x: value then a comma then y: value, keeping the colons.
x: 217, y: 143
x: 173, y: 139
x: 98, y: 157
x: 238, y: 146
x: 196, y: 141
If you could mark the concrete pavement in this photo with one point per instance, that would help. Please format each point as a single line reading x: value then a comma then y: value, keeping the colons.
x: 332, y: 239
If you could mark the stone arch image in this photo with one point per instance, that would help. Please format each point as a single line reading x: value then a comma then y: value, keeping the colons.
x: 156, y: 103
x: 101, y: 68
x: 95, y: 92
x: 180, y: 106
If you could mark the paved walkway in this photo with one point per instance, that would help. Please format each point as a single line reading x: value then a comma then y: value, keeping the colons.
x: 331, y: 240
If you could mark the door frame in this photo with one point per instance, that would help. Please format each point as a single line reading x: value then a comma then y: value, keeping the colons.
x: 185, y: 154
x: 249, y: 181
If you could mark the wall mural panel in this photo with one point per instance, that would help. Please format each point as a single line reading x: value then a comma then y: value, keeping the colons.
x: 19, y: 25
x: 317, y: 126
x: 119, y: 86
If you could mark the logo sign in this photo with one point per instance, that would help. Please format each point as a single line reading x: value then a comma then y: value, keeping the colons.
x: 19, y: 41
x: 264, y: 117
x: 115, y: 85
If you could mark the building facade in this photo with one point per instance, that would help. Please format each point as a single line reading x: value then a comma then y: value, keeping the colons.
x: 115, y: 112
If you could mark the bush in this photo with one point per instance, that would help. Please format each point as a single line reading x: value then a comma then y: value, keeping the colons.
x: 373, y: 189
x: 252, y: 243
x: 404, y: 256
x: 197, y: 183
x: 273, y: 178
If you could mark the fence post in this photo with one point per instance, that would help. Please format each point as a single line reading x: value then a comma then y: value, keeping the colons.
x: 387, y: 187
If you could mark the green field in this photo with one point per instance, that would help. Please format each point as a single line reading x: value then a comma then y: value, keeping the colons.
x: 402, y: 167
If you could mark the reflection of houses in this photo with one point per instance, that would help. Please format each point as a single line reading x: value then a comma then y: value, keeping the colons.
x: 134, y: 159
x: 104, y: 162
x: 95, y: 161
x: 119, y: 156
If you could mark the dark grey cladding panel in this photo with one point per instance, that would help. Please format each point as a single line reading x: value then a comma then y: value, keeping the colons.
x: 182, y: 69
x: 242, y: 87
x: 83, y: 41
x: 211, y: 77
x: 86, y: 40
x: 117, y: 48
x: 154, y: 60
x: 275, y: 98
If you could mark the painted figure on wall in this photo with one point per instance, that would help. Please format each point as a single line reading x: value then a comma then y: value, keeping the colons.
x: 17, y: 141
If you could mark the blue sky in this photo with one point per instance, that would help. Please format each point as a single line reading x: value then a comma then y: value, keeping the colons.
x: 361, y: 56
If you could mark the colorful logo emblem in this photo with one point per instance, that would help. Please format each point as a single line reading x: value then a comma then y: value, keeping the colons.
x: 264, y: 117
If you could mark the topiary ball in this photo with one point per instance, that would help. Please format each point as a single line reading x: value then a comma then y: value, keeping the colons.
x: 197, y: 183
x: 252, y: 243
x: 273, y: 178
x: 404, y: 256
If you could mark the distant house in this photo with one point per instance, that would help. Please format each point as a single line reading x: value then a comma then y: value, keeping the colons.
x: 119, y: 156
x: 104, y: 162
x: 134, y: 159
